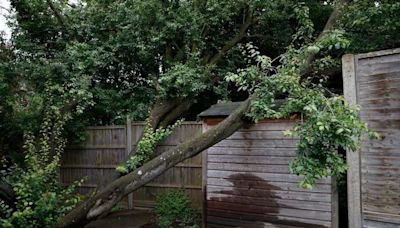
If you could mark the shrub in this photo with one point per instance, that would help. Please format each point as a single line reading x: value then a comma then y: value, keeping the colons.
x: 173, y: 210
x: 40, y: 198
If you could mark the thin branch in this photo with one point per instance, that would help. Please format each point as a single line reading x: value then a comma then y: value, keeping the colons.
x: 4, y: 8
x: 57, y: 14
x: 238, y: 37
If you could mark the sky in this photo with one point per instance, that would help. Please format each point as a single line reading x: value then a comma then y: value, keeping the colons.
x: 4, y: 6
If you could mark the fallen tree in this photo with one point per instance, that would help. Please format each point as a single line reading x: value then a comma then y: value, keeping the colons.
x: 172, y: 53
x: 163, y: 113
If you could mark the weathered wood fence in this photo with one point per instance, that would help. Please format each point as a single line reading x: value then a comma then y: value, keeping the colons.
x: 372, y: 81
x: 106, y: 146
x: 248, y: 184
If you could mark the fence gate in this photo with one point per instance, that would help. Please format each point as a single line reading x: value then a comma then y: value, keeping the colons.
x: 372, y: 81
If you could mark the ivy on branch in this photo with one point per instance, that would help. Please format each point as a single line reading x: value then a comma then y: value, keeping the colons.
x: 146, y: 146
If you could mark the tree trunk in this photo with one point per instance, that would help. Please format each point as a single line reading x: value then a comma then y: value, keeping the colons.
x: 102, y: 202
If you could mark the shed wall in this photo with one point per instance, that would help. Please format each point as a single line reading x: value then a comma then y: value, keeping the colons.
x: 248, y: 183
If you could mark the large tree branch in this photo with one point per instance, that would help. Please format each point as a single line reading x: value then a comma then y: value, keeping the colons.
x: 103, y: 201
x: 330, y: 24
x: 161, y: 109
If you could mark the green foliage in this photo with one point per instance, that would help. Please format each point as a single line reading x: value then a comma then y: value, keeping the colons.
x: 40, y: 199
x: 146, y: 146
x: 121, y: 51
x: 372, y: 25
x: 183, y: 81
x: 173, y: 210
x: 328, y: 122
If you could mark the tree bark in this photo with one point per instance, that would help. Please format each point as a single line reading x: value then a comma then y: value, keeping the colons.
x: 160, y: 110
x: 110, y: 195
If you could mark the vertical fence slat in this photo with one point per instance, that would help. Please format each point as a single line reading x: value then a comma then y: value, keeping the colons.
x: 128, y: 150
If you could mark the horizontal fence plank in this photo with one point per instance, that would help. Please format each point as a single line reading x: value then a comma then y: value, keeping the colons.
x: 218, y: 222
x: 261, y: 184
x: 265, y: 143
x: 258, y: 134
x: 235, y: 191
x: 273, y: 202
x: 377, y: 216
x: 267, y: 160
x: 94, y: 147
x: 281, y: 152
x: 248, y: 167
x: 282, y: 210
x: 253, y: 218
x: 264, y: 176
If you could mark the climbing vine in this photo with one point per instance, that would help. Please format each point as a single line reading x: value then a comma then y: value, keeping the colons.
x: 146, y: 146
x: 40, y: 198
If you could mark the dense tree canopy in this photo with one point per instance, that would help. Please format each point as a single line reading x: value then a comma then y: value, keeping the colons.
x: 97, y: 61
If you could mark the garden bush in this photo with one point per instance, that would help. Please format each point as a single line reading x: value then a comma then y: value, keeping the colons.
x: 173, y: 210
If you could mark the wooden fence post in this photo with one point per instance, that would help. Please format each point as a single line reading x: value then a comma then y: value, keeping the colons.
x: 335, y: 203
x: 128, y: 150
x: 353, y: 158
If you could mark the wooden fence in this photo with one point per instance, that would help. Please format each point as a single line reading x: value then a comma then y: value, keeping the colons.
x: 372, y: 81
x: 107, y: 146
x: 247, y: 182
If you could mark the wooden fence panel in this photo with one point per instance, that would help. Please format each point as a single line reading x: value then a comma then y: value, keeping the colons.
x: 95, y: 159
x: 248, y: 184
x: 374, y: 186
x: 107, y: 146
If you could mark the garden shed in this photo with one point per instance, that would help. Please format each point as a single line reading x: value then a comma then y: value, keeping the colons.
x: 246, y: 179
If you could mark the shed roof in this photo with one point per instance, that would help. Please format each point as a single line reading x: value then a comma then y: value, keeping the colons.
x: 220, y: 109
x: 226, y: 108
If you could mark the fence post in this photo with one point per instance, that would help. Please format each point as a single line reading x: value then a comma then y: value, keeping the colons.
x: 353, y: 158
x: 128, y: 151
